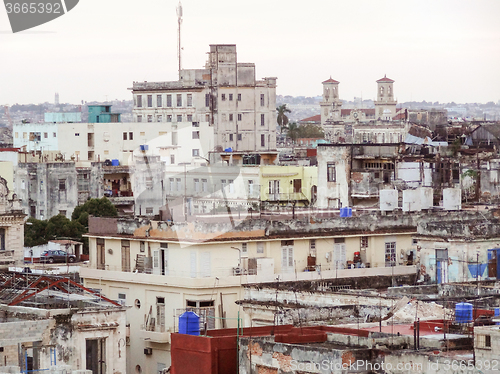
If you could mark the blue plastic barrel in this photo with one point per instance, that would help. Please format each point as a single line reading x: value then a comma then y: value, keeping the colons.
x: 189, y: 323
x: 463, y: 312
x: 346, y: 212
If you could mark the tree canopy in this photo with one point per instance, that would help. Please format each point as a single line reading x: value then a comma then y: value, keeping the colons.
x: 38, y: 232
x: 295, y: 131
x: 93, y: 207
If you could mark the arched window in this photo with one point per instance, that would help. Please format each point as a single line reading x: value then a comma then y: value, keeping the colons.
x: 381, y: 90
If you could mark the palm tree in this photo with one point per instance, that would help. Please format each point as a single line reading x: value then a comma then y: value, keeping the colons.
x: 282, y: 118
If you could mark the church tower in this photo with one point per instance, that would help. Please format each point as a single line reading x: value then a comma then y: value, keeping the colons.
x: 385, y: 105
x: 330, y: 106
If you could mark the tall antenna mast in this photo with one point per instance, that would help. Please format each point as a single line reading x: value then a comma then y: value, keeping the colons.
x: 179, y: 48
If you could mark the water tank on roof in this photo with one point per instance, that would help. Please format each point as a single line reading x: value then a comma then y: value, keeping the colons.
x: 189, y: 323
x: 463, y: 312
x: 228, y: 149
x: 346, y: 212
x: 115, y: 162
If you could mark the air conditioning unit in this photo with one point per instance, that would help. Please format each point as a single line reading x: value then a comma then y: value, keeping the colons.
x: 237, y: 271
x: 148, y: 351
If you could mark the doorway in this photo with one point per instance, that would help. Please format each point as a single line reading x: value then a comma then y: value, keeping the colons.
x: 96, y: 355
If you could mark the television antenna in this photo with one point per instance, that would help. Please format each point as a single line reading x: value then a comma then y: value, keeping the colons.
x: 179, y: 21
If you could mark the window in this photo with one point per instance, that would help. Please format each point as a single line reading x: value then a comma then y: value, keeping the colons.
x: 16, y: 135
x: 339, y: 253
x: 25, y: 135
x: 250, y: 187
x: 190, y: 100
x: 174, y: 138
x: 54, y: 135
x: 169, y: 118
x: 149, y: 182
x: 171, y: 184
x: 204, y: 185
x: 262, y: 99
x: 483, y: 341
x: 178, y: 182
x: 364, y: 242
x: 196, y: 124
x: 312, y: 247
x: 172, y: 159
x: 222, y: 184
x: 124, y: 136
x: 62, y: 213
x: 240, y: 136
x: 231, y: 185
x: 196, y: 152
x: 197, y: 185
x: 262, y: 140
x: 231, y: 117
x: 239, y: 97
x: 139, y: 118
x: 260, y: 247
x: 274, y: 187
x: 2, y: 239
x: 223, y: 97
x: 130, y: 135
x: 158, y: 101
x: 169, y: 101
x: 223, y: 117
x: 207, y: 100
x: 230, y: 97
x: 287, y: 255
x: 150, y: 118
x: 390, y: 254
x: 142, y: 246
x: 230, y: 137
x: 126, y: 255
x: 190, y: 118
x: 262, y: 119
x: 45, y: 135
x: 77, y: 134
x: 244, y: 249
x: 150, y: 101
x: 330, y: 171
x: 149, y: 210
x: 239, y: 116
x: 62, y: 184
x: 179, y: 118
x: 139, y: 101
x: 159, y: 118
x: 196, y: 134
x: 179, y: 100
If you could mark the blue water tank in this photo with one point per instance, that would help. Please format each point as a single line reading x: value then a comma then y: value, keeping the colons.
x: 228, y: 149
x: 463, y: 312
x: 115, y: 162
x: 497, y: 314
x: 346, y: 212
x: 189, y: 323
x: 144, y: 147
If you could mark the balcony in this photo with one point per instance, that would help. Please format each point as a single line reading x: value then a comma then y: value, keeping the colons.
x: 7, y: 257
x: 155, y: 336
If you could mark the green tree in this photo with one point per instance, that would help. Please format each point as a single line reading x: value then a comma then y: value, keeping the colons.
x: 292, y: 131
x: 310, y: 131
x: 93, y: 207
x: 38, y: 232
x: 282, y: 118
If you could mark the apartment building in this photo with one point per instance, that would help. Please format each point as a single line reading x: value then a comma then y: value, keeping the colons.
x: 225, y: 95
x: 162, y: 269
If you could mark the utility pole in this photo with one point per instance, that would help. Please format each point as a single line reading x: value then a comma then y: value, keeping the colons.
x: 179, y: 21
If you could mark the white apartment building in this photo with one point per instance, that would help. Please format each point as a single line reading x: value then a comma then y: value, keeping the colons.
x: 225, y: 94
x: 180, y: 142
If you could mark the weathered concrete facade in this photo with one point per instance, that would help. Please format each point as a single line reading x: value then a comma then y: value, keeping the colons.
x: 225, y: 94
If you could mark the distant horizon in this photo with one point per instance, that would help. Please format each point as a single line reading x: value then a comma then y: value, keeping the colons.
x: 447, y: 50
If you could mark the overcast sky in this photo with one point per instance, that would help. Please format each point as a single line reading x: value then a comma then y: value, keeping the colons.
x: 435, y: 50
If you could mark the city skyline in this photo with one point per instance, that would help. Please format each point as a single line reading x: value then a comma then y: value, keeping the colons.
x: 435, y: 51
